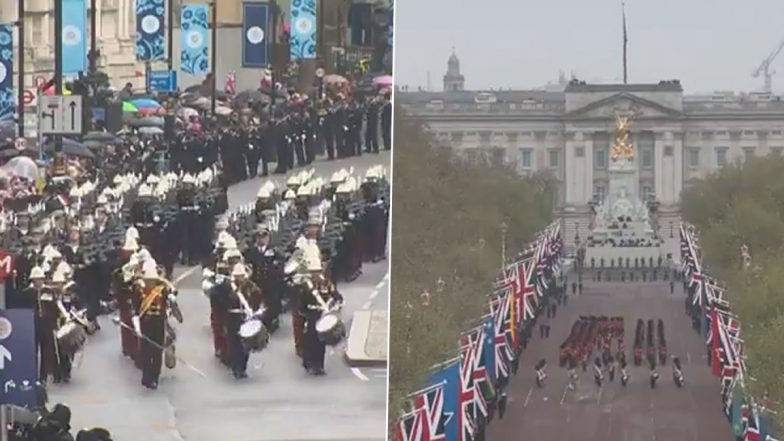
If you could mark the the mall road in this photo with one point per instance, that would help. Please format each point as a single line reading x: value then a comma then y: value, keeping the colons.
x: 277, y: 402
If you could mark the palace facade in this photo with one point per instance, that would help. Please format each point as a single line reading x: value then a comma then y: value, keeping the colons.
x: 566, y: 133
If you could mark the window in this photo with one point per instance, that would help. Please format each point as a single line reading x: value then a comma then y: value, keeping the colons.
x: 647, y: 158
x: 647, y: 192
x: 775, y: 151
x: 498, y: 157
x: 525, y: 158
x: 38, y: 30
x: 554, y: 159
x: 776, y: 133
x: 600, y: 160
x: 748, y: 153
x: 668, y: 150
x: 721, y: 156
x: 599, y: 192
x: 579, y: 152
x: 694, y: 158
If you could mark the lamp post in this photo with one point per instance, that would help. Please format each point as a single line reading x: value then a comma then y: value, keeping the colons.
x: 503, y: 244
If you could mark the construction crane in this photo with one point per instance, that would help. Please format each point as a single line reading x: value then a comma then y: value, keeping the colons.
x: 764, y: 68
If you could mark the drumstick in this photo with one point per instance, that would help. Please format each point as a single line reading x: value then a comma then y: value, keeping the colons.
x: 117, y: 321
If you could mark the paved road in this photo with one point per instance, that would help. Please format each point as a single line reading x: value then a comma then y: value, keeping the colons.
x: 634, y: 413
x: 277, y: 402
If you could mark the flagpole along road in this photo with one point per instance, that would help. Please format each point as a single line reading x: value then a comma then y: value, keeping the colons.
x: 277, y: 402
x: 633, y: 413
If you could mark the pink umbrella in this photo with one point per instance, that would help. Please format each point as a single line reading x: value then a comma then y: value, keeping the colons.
x: 383, y: 80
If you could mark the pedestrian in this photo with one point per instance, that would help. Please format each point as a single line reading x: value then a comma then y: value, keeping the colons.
x: 574, y: 287
x: 672, y: 287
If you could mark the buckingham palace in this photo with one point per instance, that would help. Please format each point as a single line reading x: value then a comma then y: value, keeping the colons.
x: 566, y: 133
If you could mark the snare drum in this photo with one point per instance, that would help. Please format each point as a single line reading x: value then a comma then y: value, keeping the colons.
x: 330, y: 329
x: 254, y: 335
x: 71, y: 337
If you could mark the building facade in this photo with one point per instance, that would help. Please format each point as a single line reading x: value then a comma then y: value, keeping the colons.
x: 566, y: 135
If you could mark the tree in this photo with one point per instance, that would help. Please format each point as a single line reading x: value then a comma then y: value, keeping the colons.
x: 743, y: 204
x: 446, y: 230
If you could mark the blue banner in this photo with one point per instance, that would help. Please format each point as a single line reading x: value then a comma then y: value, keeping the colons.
x: 449, y: 375
x: 255, y: 18
x: 194, y: 58
x: 488, y: 351
x: 18, y: 367
x: 302, y: 42
x: 149, y: 30
x: 6, y: 72
x: 74, y: 38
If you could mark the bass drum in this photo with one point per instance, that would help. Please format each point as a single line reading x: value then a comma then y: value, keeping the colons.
x: 254, y: 335
x: 71, y: 337
x: 331, y: 329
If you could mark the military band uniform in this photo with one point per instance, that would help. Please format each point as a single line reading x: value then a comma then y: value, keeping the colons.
x: 268, y: 277
x: 151, y: 309
x: 123, y: 294
x: 235, y: 316
x: 45, y: 324
x: 70, y: 301
x: 188, y: 223
x: 310, y: 309
x: 218, y: 298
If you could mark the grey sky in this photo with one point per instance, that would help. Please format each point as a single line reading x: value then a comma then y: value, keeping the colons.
x: 707, y: 44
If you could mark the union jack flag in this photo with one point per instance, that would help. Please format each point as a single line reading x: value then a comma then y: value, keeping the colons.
x: 429, y: 403
x: 471, y: 345
x: 231, y: 83
x: 499, y: 307
x: 409, y: 427
x: 752, y: 432
x: 467, y: 394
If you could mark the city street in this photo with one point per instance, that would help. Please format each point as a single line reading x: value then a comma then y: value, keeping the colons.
x: 277, y: 402
x: 634, y: 413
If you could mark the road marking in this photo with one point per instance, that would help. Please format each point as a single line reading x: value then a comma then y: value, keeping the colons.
x: 185, y: 275
x: 688, y: 358
x: 357, y: 373
x: 367, y: 305
x: 383, y: 282
x: 374, y: 294
x: 599, y: 397
x: 528, y: 397
x: 563, y: 396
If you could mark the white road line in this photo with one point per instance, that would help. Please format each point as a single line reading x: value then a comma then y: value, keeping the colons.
x: 185, y: 275
x: 373, y: 294
x: 367, y: 305
x: 599, y: 398
x: 381, y: 284
x: 357, y: 373
x: 688, y: 358
x: 528, y: 397
x: 386, y: 276
x: 563, y: 396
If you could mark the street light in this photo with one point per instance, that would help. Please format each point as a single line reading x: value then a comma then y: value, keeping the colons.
x: 503, y: 244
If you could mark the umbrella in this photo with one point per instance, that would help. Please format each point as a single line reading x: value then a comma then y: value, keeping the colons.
x: 145, y: 102
x: 150, y: 130
x: 335, y: 79
x: 146, y: 111
x: 147, y: 121
x: 71, y: 147
x: 384, y: 80
x: 187, y: 112
x: 249, y: 96
x: 100, y: 136
x: 128, y: 107
x: 22, y: 166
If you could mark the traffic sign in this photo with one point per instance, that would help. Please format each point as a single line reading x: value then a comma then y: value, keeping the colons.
x: 60, y: 115
x: 162, y: 80
x: 18, y: 369
x: 29, y: 97
x: 40, y: 81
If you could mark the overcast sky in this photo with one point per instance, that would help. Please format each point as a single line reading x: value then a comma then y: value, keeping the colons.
x: 708, y: 44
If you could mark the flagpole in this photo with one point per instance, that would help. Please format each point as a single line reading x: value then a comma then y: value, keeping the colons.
x: 625, y: 43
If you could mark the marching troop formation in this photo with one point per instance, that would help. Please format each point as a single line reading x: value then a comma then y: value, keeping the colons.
x: 86, y: 249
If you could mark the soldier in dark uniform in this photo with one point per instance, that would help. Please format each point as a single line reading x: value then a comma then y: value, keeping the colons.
x: 42, y: 301
x: 355, y: 117
x: 255, y: 151
x: 311, y: 308
x: 187, y: 219
x: 69, y: 299
x: 150, y: 310
x: 123, y: 291
x: 386, y: 122
x: 341, y: 122
x: 371, y: 130
x: 236, y: 314
x: 88, y: 290
x: 327, y: 125
x: 267, y: 275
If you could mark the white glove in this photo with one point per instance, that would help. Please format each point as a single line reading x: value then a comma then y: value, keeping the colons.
x: 206, y: 286
x: 137, y: 325
x: 172, y: 298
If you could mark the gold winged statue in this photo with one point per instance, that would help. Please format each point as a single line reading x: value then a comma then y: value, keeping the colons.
x: 621, y: 147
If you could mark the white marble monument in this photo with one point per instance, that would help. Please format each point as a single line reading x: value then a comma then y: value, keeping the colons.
x: 622, y: 215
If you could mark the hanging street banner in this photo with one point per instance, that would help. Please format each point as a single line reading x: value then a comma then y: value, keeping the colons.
x: 18, y: 370
x: 302, y: 42
x: 6, y: 72
x: 194, y: 58
x: 255, y: 19
x: 74, y: 37
x: 149, y: 30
